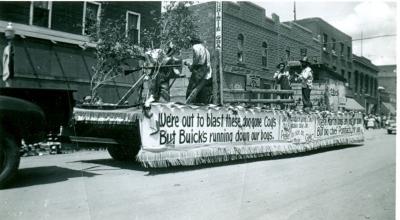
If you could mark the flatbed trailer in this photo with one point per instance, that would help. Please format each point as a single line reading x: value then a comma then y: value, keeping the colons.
x: 181, y: 135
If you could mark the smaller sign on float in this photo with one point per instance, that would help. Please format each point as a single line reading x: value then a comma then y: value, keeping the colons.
x: 302, y: 129
x: 253, y: 81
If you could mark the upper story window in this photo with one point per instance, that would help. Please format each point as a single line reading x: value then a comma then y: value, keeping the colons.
x: 349, y: 77
x: 348, y: 53
x: 303, y: 52
x: 91, y: 16
x: 133, y: 26
x: 325, y: 42
x: 240, y: 55
x: 356, y: 81
x: 287, y: 51
x: 366, y: 83
x: 341, y: 49
x: 334, y: 46
x: 40, y: 13
x: 264, y: 54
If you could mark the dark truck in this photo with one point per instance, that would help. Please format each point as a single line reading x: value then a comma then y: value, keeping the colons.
x: 29, y: 114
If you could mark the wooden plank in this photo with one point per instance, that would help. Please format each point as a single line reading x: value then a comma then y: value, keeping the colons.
x: 268, y: 91
x: 265, y: 101
x: 48, y: 34
x: 81, y: 139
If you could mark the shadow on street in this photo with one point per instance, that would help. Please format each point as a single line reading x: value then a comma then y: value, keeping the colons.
x: 135, y: 165
x: 45, y: 175
x: 129, y: 165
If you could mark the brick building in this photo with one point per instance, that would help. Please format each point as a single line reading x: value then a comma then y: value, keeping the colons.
x: 365, y: 83
x: 387, y: 79
x: 335, y: 47
x: 253, y: 44
x: 359, y: 74
x: 51, y: 46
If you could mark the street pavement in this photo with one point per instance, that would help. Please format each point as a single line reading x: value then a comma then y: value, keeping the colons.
x: 347, y: 183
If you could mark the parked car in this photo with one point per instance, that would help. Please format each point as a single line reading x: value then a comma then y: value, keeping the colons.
x: 29, y: 114
x: 391, y: 128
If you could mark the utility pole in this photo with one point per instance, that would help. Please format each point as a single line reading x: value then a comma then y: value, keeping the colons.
x: 294, y: 10
x: 361, y: 43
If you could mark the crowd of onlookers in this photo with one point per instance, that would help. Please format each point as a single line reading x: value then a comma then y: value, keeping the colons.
x: 377, y: 121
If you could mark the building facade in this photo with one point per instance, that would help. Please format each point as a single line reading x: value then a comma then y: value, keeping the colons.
x: 51, y: 43
x: 335, y: 46
x: 365, y: 83
x: 387, y: 80
x: 358, y: 73
x: 253, y: 44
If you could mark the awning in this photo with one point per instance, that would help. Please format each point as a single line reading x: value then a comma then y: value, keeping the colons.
x: 353, y: 105
x: 389, y: 107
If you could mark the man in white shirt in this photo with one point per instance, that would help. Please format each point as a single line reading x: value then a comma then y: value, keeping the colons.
x: 306, y: 77
x: 200, y: 87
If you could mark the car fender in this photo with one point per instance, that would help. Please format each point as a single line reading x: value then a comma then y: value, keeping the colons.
x: 22, y: 119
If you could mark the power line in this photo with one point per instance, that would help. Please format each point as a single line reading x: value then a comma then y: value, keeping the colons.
x: 362, y: 38
x: 373, y: 37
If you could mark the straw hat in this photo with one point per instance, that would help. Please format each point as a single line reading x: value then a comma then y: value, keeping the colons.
x: 281, y: 63
x: 305, y: 60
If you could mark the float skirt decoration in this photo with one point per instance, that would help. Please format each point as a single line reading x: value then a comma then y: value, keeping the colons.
x: 185, y: 135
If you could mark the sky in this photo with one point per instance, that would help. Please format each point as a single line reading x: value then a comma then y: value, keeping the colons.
x: 371, y: 18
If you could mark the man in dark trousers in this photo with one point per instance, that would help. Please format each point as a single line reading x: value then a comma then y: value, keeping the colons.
x: 306, y: 78
x: 282, y: 77
x: 200, y: 84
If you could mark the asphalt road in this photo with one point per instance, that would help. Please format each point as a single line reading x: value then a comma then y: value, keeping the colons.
x: 348, y: 183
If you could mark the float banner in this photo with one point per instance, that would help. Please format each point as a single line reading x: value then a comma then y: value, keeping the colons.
x: 188, y: 135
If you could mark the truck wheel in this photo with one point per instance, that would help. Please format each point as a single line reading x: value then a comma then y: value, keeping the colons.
x: 123, y: 152
x: 9, y: 158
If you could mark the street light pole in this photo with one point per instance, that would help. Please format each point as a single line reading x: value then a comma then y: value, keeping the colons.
x: 380, y: 90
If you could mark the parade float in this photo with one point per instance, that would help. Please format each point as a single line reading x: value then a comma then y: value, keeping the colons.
x: 243, y: 121
x: 162, y: 134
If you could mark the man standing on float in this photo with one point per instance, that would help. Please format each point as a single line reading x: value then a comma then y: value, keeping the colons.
x: 306, y: 77
x: 200, y: 84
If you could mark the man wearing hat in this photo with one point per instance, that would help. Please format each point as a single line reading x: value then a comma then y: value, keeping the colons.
x: 306, y: 78
x: 282, y: 76
x: 200, y: 86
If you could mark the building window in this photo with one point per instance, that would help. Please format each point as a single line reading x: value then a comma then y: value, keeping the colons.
x: 356, y: 81
x: 133, y: 26
x: 348, y: 53
x: 303, y: 52
x: 240, y: 55
x: 342, y: 71
x: 366, y: 82
x: 333, y: 46
x: 341, y: 49
x: 264, y: 54
x: 349, y: 77
x: 91, y: 16
x: 40, y: 13
x: 287, y: 51
x: 334, y: 68
x: 325, y: 42
x: 371, y: 86
x: 361, y: 83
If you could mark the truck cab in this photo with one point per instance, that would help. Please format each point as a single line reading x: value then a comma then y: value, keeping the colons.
x: 29, y: 114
